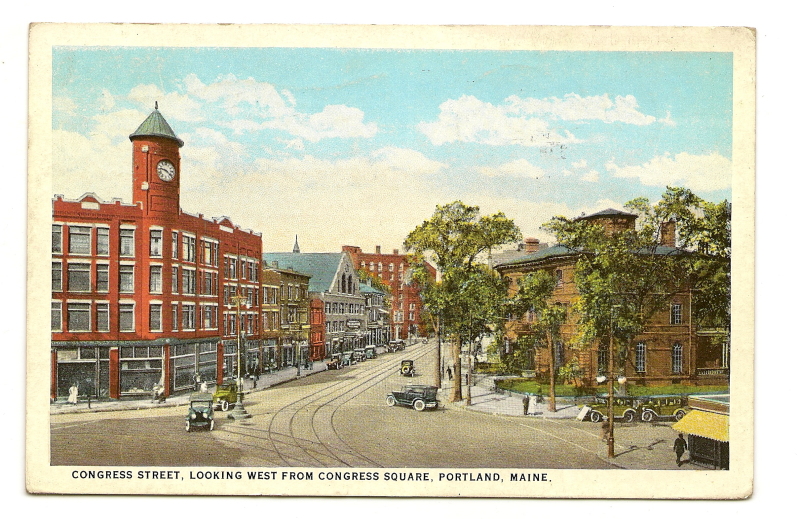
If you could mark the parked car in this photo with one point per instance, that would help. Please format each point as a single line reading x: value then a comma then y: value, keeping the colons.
x: 655, y: 407
x: 407, y: 368
x: 359, y: 355
x: 347, y: 358
x: 225, y: 395
x: 200, y: 413
x: 370, y: 352
x: 416, y: 396
x: 626, y: 408
x: 335, y: 362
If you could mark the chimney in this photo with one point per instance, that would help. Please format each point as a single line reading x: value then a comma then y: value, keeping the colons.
x: 668, y: 234
x: 396, y: 252
x: 531, y: 245
x: 377, y: 249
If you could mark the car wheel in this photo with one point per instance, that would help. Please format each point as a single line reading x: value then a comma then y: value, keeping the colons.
x: 680, y: 413
x: 211, y: 426
x: 629, y: 415
x: 188, y: 426
x: 648, y: 416
x: 225, y: 405
x: 419, y: 405
x: 390, y: 400
x: 595, y: 417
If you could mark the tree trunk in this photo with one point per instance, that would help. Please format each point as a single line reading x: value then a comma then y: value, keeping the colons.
x: 551, y: 406
x: 455, y: 354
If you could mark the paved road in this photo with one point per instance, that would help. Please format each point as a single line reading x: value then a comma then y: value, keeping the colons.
x: 333, y: 419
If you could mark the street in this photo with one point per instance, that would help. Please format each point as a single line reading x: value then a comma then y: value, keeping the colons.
x: 340, y: 419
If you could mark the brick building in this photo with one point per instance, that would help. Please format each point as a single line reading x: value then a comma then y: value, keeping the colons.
x: 141, y: 291
x: 285, y: 317
x: 393, y: 269
x: 666, y: 352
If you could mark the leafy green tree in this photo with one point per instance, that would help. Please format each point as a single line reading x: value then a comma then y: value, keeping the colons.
x: 464, y: 299
x: 535, y: 294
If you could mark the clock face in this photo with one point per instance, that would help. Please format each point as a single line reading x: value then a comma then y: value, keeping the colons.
x: 165, y: 170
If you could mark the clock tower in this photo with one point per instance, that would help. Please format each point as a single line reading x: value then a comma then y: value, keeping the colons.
x: 156, y: 166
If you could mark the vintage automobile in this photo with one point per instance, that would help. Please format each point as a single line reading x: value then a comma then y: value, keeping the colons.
x: 416, y: 396
x: 347, y: 358
x: 626, y: 408
x: 655, y: 407
x: 370, y: 353
x: 200, y: 413
x: 225, y: 395
x: 335, y: 362
x: 359, y: 355
x: 407, y: 368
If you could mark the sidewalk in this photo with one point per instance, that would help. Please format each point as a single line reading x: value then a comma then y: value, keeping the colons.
x: 265, y: 381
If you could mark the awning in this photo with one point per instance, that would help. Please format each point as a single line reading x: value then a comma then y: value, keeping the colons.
x: 701, y: 423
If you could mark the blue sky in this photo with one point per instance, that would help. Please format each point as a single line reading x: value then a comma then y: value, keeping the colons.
x: 358, y: 146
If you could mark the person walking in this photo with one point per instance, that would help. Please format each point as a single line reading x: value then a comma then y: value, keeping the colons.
x: 679, y: 447
x: 73, y: 395
x: 526, y: 400
x: 449, y: 373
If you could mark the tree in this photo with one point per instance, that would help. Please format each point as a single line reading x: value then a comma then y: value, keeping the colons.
x: 454, y: 238
x: 535, y: 294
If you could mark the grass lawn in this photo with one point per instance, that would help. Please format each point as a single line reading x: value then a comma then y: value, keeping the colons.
x: 526, y: 385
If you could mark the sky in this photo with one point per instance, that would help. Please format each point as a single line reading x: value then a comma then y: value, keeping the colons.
x: 357, y: 147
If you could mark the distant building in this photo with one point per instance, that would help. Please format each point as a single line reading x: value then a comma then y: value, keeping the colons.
x: 284, y: 318
x: 671, y: 349
x: 393, y: 269
x: 139, y: 290
x: 377, y: 316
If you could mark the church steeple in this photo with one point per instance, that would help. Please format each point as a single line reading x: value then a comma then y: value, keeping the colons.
x: 296, y: 249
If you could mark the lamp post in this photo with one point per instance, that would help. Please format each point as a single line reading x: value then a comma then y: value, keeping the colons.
x: 239, y: 412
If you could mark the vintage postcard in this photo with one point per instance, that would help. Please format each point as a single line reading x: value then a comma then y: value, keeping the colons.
x: 391, y: 261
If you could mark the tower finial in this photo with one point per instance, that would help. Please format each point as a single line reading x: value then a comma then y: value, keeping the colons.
x: 156, y: 105
x: 296, y: 245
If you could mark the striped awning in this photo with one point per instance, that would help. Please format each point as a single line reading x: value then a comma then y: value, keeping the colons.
x: 701, y: 423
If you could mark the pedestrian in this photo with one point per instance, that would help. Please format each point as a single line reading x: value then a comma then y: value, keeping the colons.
x: 679, y: 447
x: 73, y: 394
x: 204, y: 386
x: 155, y: 392
x: 197, y: 381
x: 449, y: 373
x: 526, y: 400
x: 606, y: 428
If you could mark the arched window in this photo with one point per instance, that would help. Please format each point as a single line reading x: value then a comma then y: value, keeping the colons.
x: 559, y: 354
x: 677, y: 358
x: 641, y: 357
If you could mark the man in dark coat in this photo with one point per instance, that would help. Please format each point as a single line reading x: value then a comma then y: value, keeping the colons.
x: 526, y: 400
x: 679, y: 447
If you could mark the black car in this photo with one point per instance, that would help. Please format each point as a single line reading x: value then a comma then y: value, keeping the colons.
x: 416, y: 396
x: 200, y: 413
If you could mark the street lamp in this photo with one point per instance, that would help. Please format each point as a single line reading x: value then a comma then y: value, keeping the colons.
x: 239, y: 412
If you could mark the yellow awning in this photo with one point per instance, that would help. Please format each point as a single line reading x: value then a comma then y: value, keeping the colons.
x: 705, y: 424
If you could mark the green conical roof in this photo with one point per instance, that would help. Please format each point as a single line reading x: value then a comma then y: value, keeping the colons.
x: 155, y: 126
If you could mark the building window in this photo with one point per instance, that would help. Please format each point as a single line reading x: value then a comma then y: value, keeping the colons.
x: 208, y: 285
x: 363, y: 265
x: 380, y: 267
x: 101, y: 317
x: 188, y: 248
x: 206, y: 252
x: 156, y: 243
x: 55, y: 316
x: 602, y: 360
x: 175, y: 241
x: 79, y: 277
x: 188, y: 317
x: 126, y: 242
x: 101, y: 272
x: 676, y: 314
x: 372, y: 266
x: 175, y: 317
x: 559, y: 277
x: 641, y: 357
x: 126, y: 322
x: 56, y: 276
x: 391, y: 267
x: 677, y: 358
x: 155, y: 279
x: 126, y: 278
x: 176, y: 277
x: 57, y: 240
x: 80, y: 241
x: 103, y: 246
x: 155, y: 318
x: 559, y: 354
x: 189, y: 281
x: 209, y: 317
x: 78, y: 317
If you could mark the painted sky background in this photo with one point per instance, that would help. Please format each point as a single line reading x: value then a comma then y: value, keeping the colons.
x: 358, y: 146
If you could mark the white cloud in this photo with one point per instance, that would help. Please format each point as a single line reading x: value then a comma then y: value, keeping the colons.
x: 180, y: 107
x: 469, y: 119
x: 107, y: 101
x: 517, y: 168
x: 667, y: 120
x: 409, y: 161
x: 580, y: 164
x: 117, y: 125
x: 65, y: 105
x: 592, y: 176
x: 573, y: 107
x: 697, y: 172
x: 94, y: 163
